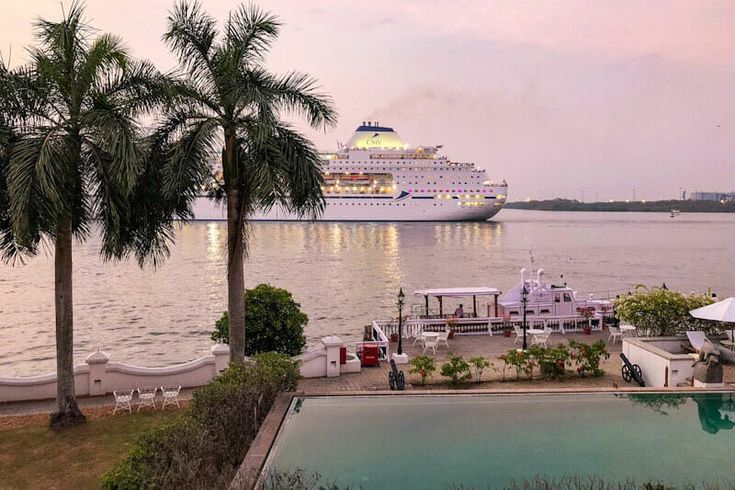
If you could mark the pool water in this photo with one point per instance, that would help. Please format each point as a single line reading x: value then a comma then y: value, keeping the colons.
x: 488, y: 441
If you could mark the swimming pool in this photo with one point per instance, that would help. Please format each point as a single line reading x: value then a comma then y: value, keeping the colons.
x: 483, y: 441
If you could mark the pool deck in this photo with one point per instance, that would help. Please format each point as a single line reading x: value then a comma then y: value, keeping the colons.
x: 376, y: 378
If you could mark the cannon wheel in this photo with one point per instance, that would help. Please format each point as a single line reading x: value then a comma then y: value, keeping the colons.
x: 401, y: 380
x: 637, y: 370
x: 626, y: 373
x: 391, y: 381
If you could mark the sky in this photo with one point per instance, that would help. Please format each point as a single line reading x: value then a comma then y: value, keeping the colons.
x: 610, y: 99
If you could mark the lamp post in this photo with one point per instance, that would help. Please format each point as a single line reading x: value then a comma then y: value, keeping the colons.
x: 400, y: 321
x: 524, y: 302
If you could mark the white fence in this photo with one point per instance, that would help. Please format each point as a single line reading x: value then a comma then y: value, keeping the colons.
x: 99, y: 376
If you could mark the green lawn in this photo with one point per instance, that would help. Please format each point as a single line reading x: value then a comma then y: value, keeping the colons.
x: 36, y: 457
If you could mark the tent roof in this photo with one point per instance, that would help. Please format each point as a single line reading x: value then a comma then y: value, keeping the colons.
x: 722, y: 311
x: 458, y: 292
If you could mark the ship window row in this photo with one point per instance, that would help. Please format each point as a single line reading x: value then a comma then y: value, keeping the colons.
x: 352, y: 169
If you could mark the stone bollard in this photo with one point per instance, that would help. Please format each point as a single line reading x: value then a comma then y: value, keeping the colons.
x: 332, y: 345
x: 97, y: 363
x: 221, y: 353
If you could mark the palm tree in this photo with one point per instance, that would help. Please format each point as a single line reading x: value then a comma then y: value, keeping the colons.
x: 71, y: 155
x: 227, y: 104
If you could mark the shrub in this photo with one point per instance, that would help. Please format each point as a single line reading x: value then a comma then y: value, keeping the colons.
x: 521, y: 361
x: 552, y: 361
x: 274, y: 322
x: 203, y: 447
x: 587, y: 357
x: 479, y: 364
x: 457, y: 370
x: 661, y: 312
x: 424, y: 366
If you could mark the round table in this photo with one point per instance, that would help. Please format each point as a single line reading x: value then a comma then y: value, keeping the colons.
x: 430, y: 335
x: 627, y: 329
x: 534, y: 331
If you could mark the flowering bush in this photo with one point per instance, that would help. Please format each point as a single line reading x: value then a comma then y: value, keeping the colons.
x: 587, y: 357
x: 522, y: 361
x: 479, y: 364
x: 661, y: 312
x: 457, y: 370
x: 424, y: 366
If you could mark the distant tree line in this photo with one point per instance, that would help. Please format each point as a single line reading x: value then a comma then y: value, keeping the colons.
x: 637, y: 206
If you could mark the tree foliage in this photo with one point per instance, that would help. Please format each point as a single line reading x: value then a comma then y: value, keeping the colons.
x: 225, y: 105
x: 275, y: 322
x: 73, y: 157
x: 662, y: 312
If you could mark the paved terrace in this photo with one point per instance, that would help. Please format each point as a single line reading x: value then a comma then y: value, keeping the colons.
x: 376, y: 378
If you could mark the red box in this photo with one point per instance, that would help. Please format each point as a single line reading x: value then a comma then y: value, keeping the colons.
x: 370, y: 355
x: 343, y: 355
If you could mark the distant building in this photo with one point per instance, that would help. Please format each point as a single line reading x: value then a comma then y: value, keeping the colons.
x: 712, y: 196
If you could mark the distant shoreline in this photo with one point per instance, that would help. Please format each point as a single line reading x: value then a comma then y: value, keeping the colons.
x: 625, y: 206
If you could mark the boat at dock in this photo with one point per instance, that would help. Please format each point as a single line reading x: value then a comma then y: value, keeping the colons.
x: 491, y: 312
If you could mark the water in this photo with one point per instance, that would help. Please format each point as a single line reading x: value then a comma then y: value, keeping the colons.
x: 488, y: 441
x: 346, y: 274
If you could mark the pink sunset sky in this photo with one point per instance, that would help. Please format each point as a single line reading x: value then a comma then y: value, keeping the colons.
x: 560, y: 98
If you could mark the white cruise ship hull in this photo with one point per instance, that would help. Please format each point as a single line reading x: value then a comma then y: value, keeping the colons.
x: 370, y: 209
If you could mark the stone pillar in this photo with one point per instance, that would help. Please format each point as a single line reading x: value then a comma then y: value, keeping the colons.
x: 221, y: 353
x: 332, y: 345
x: 97, y: 363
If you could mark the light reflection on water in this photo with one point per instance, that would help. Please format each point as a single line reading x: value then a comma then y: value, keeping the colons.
x: 345, y: 274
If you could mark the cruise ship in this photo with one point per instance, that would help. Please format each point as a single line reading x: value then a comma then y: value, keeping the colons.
x: 375, y: 176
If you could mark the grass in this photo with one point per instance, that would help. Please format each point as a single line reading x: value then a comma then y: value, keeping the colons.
x: 36, y: 457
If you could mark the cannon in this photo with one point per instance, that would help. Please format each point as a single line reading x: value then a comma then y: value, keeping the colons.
x: 631, y: 371
x: 396, y: 379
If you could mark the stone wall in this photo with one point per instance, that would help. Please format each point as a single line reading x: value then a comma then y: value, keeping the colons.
x: 98, y: 376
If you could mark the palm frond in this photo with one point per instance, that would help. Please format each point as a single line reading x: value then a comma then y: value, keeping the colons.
x: 106, y: 54
x: 249, y: 34
x: 108, y: 127
x: 191, y: 35
x: 299, y: 94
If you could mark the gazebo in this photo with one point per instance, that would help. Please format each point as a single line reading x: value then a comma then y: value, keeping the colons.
x: 473, y: 292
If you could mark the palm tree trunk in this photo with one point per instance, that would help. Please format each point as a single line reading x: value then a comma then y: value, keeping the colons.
x: 67, y: 411
x: 235, y: 255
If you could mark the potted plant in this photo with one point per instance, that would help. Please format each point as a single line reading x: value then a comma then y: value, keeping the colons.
x: 451, y: 325
x: 507, y: 328
x: 587, y: 312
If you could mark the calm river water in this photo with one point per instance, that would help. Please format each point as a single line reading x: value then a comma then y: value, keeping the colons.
x: 346, y: 274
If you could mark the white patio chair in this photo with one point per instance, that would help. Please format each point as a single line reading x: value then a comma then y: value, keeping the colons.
x: 170, y: 395
x: 443, y: 338
x: 122, y: 401
x: 542, y: 338
x: 147, y: 397
x: 519, y: 333
x: 418, y: 334
x: 431, y: 343
x: 615, y: 334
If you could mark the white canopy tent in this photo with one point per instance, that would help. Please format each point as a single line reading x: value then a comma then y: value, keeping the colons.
x: 722, y: 311
x: 474, y: 292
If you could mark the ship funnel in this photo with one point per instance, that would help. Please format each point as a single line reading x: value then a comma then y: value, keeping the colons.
x: 539, y: 273
x: 523, y: 275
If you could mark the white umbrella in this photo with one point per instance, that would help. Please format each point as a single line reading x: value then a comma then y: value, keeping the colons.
x: 722, y: 311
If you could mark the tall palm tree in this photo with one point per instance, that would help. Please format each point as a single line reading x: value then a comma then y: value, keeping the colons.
x: 226, y: 103
x: 72, y: 155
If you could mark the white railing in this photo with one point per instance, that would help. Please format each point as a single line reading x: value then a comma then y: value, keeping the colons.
x: 379, y: 338
x: 482, y: 326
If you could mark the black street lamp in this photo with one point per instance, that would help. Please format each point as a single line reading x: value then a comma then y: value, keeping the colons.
x: 400, y: 321
x: 524, y: 302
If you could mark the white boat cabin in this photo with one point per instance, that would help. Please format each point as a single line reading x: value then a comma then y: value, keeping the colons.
x: 548, y: 300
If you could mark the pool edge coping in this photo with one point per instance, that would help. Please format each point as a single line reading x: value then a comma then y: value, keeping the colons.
x: 249, y: 471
